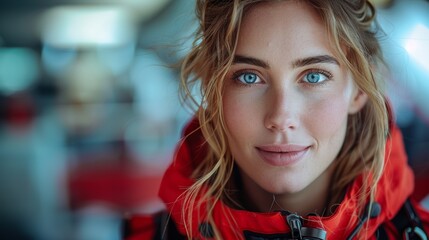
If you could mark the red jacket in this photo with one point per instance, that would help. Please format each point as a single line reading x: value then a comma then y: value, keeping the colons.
x: 394, y: 188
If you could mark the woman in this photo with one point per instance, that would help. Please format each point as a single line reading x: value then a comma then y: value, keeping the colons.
x: 293, y: 138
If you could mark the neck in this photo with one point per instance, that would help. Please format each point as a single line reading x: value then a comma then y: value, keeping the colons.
x: 311, y: 200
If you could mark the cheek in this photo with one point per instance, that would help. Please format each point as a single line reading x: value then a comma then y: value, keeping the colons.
x: 327, y: 117
x: 240, y: 112
x: 238, y: 119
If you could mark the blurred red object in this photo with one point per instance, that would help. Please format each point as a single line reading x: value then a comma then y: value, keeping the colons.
x: 20, y: 110
x: 123, y: 186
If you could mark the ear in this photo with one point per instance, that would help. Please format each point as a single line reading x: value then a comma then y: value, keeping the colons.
x: 358, y: 101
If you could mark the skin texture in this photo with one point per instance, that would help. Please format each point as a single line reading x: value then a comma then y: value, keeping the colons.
x: 286, y: 92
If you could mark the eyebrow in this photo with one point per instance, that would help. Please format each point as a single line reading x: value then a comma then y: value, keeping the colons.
x: 250, y: 60
x: 297, y: 63
x: 314, y: 60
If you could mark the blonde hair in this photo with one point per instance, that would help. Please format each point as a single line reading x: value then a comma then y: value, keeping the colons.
x: 350, y: 25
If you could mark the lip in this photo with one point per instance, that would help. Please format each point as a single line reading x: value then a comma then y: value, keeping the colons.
x: 283, y: 154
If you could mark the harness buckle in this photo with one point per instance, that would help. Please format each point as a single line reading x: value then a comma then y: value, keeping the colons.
x: 294, y: 222
x: 414, y: 233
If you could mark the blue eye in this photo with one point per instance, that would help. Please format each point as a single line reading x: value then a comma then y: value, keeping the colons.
x: 315, y: 77
x: 248, y: 78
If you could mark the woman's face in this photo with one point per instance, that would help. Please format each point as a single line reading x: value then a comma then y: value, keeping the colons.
x: 286, y: 98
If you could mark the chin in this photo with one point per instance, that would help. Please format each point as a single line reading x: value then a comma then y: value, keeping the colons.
x: 285, y: 188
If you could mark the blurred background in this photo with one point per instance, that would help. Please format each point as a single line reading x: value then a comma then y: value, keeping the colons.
x: 90, y: 114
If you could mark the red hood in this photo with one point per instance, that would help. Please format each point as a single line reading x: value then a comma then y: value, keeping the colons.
x: 394, y: 187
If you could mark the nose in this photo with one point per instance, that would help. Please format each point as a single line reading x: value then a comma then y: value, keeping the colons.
x: 282, y: 113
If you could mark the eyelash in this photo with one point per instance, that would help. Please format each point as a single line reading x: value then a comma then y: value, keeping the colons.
x: 328, y: 75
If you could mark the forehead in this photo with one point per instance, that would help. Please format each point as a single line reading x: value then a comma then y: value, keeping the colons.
x: 292, y: 27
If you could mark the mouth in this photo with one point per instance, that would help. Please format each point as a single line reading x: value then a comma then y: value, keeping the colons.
x: 282, y: 155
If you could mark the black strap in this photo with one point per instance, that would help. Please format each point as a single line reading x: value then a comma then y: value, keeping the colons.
x: 407, y: 223
x: 166, y: 228
x: 381, y: 233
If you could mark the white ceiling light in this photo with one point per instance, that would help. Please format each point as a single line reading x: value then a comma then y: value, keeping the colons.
x: 80, y: 26
x: 417, y: 45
